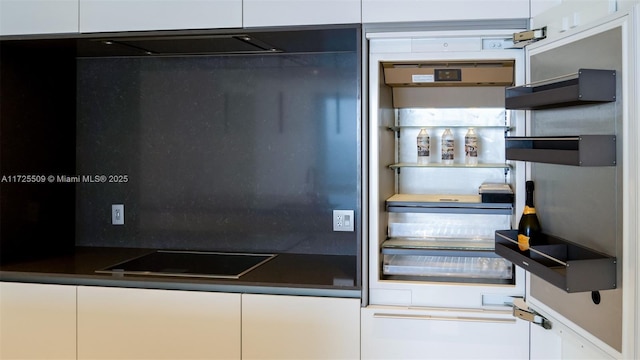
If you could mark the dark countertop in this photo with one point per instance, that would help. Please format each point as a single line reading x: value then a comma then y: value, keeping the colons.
x: 286, y: 274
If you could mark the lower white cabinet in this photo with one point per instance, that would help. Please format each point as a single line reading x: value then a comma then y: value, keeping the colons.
x: 37, y: 321
x: 41, y: 321
x: 300, y: 327
x: 120, y: 323
x: 407, y: 333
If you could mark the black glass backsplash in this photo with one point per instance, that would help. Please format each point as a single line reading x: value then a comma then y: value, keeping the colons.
x: 227, y: 153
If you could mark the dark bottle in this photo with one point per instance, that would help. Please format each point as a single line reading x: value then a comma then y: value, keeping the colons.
x: 529, y: 226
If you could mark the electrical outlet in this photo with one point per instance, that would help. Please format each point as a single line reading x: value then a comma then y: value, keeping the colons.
x: 343, y: 220
x: 117, y: 214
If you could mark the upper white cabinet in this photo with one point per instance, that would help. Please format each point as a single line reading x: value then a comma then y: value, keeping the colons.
x: 374, y: 11
x: 37, y: 321
x: 116, y: 323
x: 566, y: 15
x: 300, y: 327
x: 300, y: 12
x: 540, y: 6
x: 23, y: 17
x: 139, y: 15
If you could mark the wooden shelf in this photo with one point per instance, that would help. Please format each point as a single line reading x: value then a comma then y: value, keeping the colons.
x: 564, y: 264
x: 581, y: 150
x: 587, y: 86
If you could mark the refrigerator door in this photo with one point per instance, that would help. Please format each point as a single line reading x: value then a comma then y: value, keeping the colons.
x: 589, y: 206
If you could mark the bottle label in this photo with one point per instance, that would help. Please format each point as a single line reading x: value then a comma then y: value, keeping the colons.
x: 423, y: 146
x: 528, y: 210
x: 448, y: 149
x: 471, y: 146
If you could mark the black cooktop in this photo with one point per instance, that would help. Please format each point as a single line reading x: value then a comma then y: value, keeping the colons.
x: 190, y: 264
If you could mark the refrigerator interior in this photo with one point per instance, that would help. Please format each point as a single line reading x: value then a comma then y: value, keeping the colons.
x: 431, y: 236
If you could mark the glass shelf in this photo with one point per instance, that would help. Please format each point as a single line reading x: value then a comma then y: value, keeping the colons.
x: 398, y: 127
x: 453, y: 166
x: 431, y: 246
x: 450, y: 204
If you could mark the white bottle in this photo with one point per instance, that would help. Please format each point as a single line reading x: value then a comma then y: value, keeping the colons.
x: 471, y: 148
x: 448, y: 147
x: 424, y: 143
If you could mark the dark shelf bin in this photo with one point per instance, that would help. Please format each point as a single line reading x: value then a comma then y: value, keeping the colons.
x: 569, y: 266
x: 582, y: 150
x: 586, y: 87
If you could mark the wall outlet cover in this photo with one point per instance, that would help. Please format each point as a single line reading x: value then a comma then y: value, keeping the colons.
x: 343, y: 220
x: 117, y: 214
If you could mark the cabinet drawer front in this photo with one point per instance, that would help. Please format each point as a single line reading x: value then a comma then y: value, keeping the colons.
x: 157, y: 324
x: 400, y: 333
x: 37, y: 321
x: 300, y: 327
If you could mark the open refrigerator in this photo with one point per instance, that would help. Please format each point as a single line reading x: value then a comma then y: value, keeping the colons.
x: 432, y: 226
x: 442, y: 252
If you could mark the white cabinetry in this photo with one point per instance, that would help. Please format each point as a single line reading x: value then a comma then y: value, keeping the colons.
x: 300, y: 327
x: 117, y: 323
x: 569, y: 14
x: 374, y: 11
x: 560, y: 16
x: 430, y: 333
x: 37, y: 321
x: 561, y: 342
x: 20, y: 17
x: 299, y: 12
x: 139, y: 15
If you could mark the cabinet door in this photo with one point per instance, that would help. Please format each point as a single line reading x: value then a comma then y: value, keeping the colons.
x: 116, y: 323
x: 401, y: 333
x: 430, y: 10
x: 107, y: 15
x: 300, y: 12
x: 299, y: 327
x: 19, y: 17
x: 565, y: 15
x: 37, y: 321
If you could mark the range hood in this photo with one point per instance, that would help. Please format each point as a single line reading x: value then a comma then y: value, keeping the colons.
x: 245, y: 41
x: 185, y: 45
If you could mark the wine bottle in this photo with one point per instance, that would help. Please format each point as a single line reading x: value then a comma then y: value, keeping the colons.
x: 529, y: 226
x: 448, y: 147
x: 423, y: 146
x: 471, y: 148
